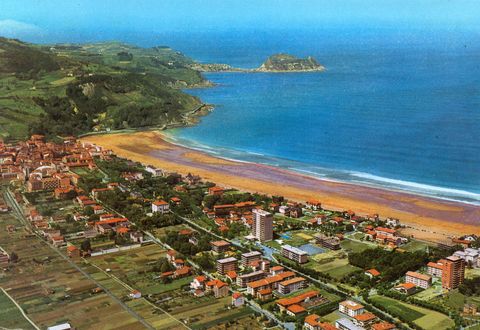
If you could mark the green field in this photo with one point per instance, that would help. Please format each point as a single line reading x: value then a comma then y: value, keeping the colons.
x: 415, y: 246
x: 334, y: 263
x: 10, y: 315
x: 424, y: 318
x: 354, y: 246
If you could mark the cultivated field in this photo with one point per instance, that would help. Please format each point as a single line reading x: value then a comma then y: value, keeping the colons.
x: 52, y: 291
x: 424, y: 318
x: 10, y: 315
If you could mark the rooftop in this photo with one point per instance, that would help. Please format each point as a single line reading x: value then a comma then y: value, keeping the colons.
x: 226, y: 260
x: 294, y: 249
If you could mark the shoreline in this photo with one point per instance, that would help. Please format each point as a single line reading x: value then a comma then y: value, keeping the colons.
x: 373, y: 183
x: 430, y: 219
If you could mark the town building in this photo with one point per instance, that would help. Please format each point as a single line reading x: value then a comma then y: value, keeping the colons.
x: 470, y: 255
x: 365, y: 320
x: 249, y: 257
x: 220, y: 246
x: 346, y: 324
x: 406, y: 288
x: 383, y: 326
x: 285, y: 304
x: 216, y: 191
x: 198, y: 283
x: 372, y: 273
x: 237, y: 299
x: 160, y: 206
x: 292, y: 285
x: 421, y: 280
x: 312, y: 322
x: 435, y: 268
x: 351, y: 308
x: 453, y: 272
x: 269, y: 282
x: 275, y: 270
x: 226, y: 265
x: 295, y: 254
x: 332, y: 243
x: 262, y: 227
x: 219, y: 288
x: 244, y: 279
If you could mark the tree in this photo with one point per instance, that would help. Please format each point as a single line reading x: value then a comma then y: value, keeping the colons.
x: 13, y: 257
x: 86, y: 245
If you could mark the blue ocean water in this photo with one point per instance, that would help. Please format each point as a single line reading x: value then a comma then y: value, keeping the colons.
x: 401, y: 111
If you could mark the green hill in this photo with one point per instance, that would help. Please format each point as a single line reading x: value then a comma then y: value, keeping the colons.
x: 70, y: 89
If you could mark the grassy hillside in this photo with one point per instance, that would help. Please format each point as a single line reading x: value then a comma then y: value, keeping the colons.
x: 72, y: 89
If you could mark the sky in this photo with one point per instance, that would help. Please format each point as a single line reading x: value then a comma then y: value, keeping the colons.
x: 34, y: 19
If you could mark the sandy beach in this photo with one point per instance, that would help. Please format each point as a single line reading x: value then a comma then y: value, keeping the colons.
x: 430, y: 219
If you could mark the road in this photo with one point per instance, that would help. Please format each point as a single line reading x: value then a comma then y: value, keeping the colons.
x: 19, y: 212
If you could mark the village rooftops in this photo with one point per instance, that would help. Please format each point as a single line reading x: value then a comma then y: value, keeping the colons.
x: 453, y: 258
x: 406, y: 286
x: 351, y: 305
x: 386, y: 230
x: 365, y: 317
x: 251, y: 254
x: 345, y: 323
x: 285, y: 302
x: 296, y: 309
x: 220, y: 243
x: 373, y: 272
x: 294, y: 250
x: 437, y: 265
x: 292, y: 281
x: 160, y: 202
x: 419, y: 276
x: 269, y: 280
x: 383, y: 326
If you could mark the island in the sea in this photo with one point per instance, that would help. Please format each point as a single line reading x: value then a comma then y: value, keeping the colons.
x: 290, y: 63
x: 275, y: 63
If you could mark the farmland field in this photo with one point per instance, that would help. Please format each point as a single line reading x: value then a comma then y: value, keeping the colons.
x: 426, y: 319
x: 10, y: 315
x: 51, y: 291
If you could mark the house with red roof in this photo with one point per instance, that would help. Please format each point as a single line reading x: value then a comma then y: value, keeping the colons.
x: 372, y: 273
x: 160, y: 206
x: 237, y: 299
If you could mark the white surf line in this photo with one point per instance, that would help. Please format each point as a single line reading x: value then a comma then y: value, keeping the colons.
x: 20, y: 308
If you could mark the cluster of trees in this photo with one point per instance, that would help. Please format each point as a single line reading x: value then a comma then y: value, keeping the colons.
x: 162, y: 265
x: 181, y: 244
x: 391, y: 264
x: 470, y: 286
x: 359, y: 279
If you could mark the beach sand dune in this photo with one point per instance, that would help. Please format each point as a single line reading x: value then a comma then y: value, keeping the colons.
x: 430, y: 219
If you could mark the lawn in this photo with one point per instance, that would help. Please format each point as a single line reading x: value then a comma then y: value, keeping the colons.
x: 10, y: 315
x: 414, y: 245
x: 424, y: 318
x: 334, y: 263
x: 354, y: 246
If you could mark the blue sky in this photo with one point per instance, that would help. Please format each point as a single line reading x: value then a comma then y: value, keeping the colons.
x: 95, y: 16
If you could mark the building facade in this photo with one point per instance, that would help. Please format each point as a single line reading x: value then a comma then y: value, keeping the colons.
x: 262, y: 227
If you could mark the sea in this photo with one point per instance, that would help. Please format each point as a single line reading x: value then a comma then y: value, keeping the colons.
x: 399, y: 111
x: 396, y: 108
